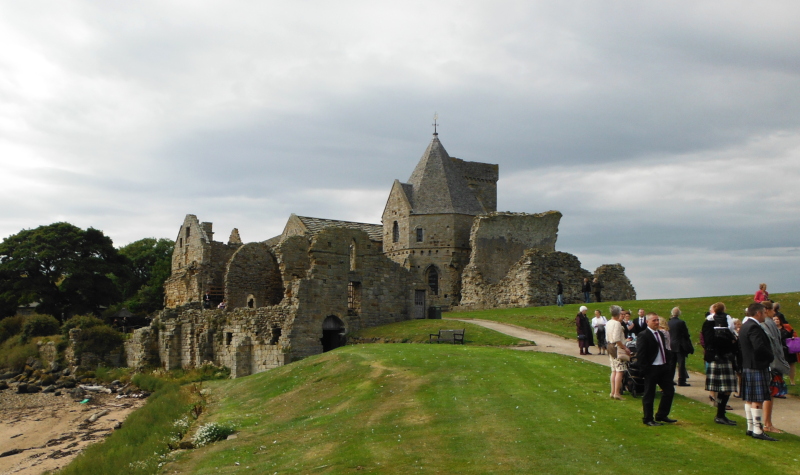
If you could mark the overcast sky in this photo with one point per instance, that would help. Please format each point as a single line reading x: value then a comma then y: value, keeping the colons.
x: 667, y: 133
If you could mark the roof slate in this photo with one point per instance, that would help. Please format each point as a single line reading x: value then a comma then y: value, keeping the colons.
x: 439, y: 186
x: 315, y: 225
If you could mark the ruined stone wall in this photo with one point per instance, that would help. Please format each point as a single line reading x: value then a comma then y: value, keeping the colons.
x: 253, y: 273
x: 616, y: 285
x: 531, y: 281
x: 397, y: 209
x: 141, y: 349
x: 498, y: 240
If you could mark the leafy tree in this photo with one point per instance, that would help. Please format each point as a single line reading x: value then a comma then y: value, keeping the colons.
x: 64, y: 268
x: 150, y: 262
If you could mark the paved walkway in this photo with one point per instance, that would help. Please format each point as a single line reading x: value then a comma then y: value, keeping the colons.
x: 786, y: 413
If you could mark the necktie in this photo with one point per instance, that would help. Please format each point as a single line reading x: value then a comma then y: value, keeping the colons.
x: 660, y: 346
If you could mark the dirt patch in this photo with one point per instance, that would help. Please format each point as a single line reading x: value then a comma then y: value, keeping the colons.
x: 48, y: 431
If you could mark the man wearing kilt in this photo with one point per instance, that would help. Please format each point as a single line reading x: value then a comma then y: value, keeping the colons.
x: 721, y: 350
x: 756, y: 358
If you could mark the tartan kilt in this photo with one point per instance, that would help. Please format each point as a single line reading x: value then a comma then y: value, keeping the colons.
x: 721, y: 377
x: 755, y: 385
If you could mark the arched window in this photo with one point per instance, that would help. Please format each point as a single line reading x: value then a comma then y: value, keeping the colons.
x: 420, y: 234
x: 395, y: 232
x: 433, y: 280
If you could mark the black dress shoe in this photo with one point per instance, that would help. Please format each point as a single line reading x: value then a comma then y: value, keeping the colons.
x: 684, y: 384
x: 763, y: 436
x: 666, y: 419
x: 724, y: 421
x: 653, y: 424
x: 749, y: 433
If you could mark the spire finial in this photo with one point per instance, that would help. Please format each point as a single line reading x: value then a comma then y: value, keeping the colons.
x: 435, y: 124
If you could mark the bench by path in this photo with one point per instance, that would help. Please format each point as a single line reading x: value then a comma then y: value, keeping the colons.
x: 785, y: 415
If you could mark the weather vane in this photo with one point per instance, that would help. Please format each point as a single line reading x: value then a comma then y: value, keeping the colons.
x: 435, y: 118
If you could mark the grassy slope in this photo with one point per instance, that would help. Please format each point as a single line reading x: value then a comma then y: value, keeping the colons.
x: 443, y: 408
x: 418, y: 331
x: 561, y: 320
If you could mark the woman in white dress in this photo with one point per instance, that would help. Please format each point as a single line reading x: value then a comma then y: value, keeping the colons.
x: 615, y: 336
x: 599, y: 327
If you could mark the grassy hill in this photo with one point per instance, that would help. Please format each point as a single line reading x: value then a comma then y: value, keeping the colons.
x: 400, y: 408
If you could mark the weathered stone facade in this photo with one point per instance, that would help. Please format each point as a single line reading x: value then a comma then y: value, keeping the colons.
x: 441, y: 243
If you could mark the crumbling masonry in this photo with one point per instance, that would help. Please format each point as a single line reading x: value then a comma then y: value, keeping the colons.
x: 442, y: 244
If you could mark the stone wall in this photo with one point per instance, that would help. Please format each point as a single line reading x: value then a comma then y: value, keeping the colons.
x: 616, y: 285
x: 252, y: 277
x: 498, y: 240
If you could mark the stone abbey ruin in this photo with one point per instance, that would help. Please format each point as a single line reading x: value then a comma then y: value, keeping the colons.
x: 441, y: 244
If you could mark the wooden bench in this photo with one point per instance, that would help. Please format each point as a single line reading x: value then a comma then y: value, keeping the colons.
x: 447, y: 336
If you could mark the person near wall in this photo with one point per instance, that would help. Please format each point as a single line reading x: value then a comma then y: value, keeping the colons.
x: 207, y: 301
x: 586, y: 288
x: 652, y: 354
x: 778, y: 367
x: 681, y: 345
x: 584, y: 328
x: 597, y: 288
x: 615, y: 342
x: 720, y: 355
x: 756, y: 358
x: 559, y: 294
x: 599, y: 325
x: 761, y: 294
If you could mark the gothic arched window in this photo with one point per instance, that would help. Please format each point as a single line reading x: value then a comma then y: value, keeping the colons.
x: 395, y: 232
x: 433, y: 280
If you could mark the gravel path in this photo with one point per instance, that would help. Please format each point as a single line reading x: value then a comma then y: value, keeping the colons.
x: 785, y: 416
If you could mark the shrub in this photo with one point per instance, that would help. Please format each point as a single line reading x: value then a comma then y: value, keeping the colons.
x: 39, y: 325
x: 107, y: 375
x: 100, y: 340
x: 9, y: 327
x: 14, y: 354
x: 211, y: 432
x: 80, y: 321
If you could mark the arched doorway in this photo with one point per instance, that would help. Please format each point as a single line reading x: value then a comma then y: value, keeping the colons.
x: 332, y: 333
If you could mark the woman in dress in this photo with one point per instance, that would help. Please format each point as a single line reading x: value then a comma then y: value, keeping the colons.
x: 585, y: 337
x: 787, y: 332
x: 615, y: 338
x: 761, y: 293
x: 599, y: 326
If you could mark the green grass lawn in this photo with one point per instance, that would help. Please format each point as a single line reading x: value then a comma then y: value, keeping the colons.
x: 399, y: 408
x: 561, y: 320
x: 418, y: 331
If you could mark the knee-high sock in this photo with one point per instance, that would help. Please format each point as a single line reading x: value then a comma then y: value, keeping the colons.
x: 722, y: 402
x: 748, y: 414
x: 758, y: 426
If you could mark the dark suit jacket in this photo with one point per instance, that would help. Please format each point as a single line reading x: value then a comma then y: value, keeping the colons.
x: 638, y: 328
x: 680, y: 340
x: 647, y: 349
x: 756, y: 347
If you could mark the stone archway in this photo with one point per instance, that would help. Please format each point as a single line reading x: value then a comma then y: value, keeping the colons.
x: 333, y: 331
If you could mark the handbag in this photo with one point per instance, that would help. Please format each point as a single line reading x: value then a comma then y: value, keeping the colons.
x: 624, y: 357
x: 612, y: 349
x: 793, y: 344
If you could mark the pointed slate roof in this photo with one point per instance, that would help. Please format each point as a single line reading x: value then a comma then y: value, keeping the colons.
x: 438, y: 186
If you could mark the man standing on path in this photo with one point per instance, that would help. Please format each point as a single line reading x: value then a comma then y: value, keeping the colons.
x: 652, y: 355
x: 756, y: 358
x: 559, y: 294
x: 640, y: 324
x: 681, y: 344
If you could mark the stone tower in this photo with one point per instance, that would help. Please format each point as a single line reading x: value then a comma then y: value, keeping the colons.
x: 427, y: 221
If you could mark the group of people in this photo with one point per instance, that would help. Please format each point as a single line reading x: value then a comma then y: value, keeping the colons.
x: 747, y: 358
x: 588, y: 288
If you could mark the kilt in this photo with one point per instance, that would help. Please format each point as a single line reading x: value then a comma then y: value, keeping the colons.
x: 721, y: 377
x: 755, y: 385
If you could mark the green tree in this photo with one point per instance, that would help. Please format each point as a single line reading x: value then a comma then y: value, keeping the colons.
x: 64, y: 268
x: 150, y: 264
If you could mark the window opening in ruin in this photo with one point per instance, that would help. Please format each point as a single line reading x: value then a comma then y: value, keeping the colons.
x: 180, y: 242
x: 251, y: 302
x: 433, y: 280
x: 395, y: 232
x: 228, y: 338
x: 333, y: 333
x: 420, y: 235
x: 276, y: 334
x: 188, y: 229
x: 353, y: 298
x: 353, y: 252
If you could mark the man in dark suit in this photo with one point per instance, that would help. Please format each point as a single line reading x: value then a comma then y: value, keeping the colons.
x: 639, y: 323
x: 757, y: 355
x: 681, y: 346
x: 653, y: 358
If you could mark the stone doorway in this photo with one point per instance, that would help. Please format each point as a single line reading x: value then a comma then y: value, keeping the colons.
x: 333, y: 331
x: 419, y: 304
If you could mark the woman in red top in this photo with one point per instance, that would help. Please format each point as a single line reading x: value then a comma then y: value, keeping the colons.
x: 762, y: 294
